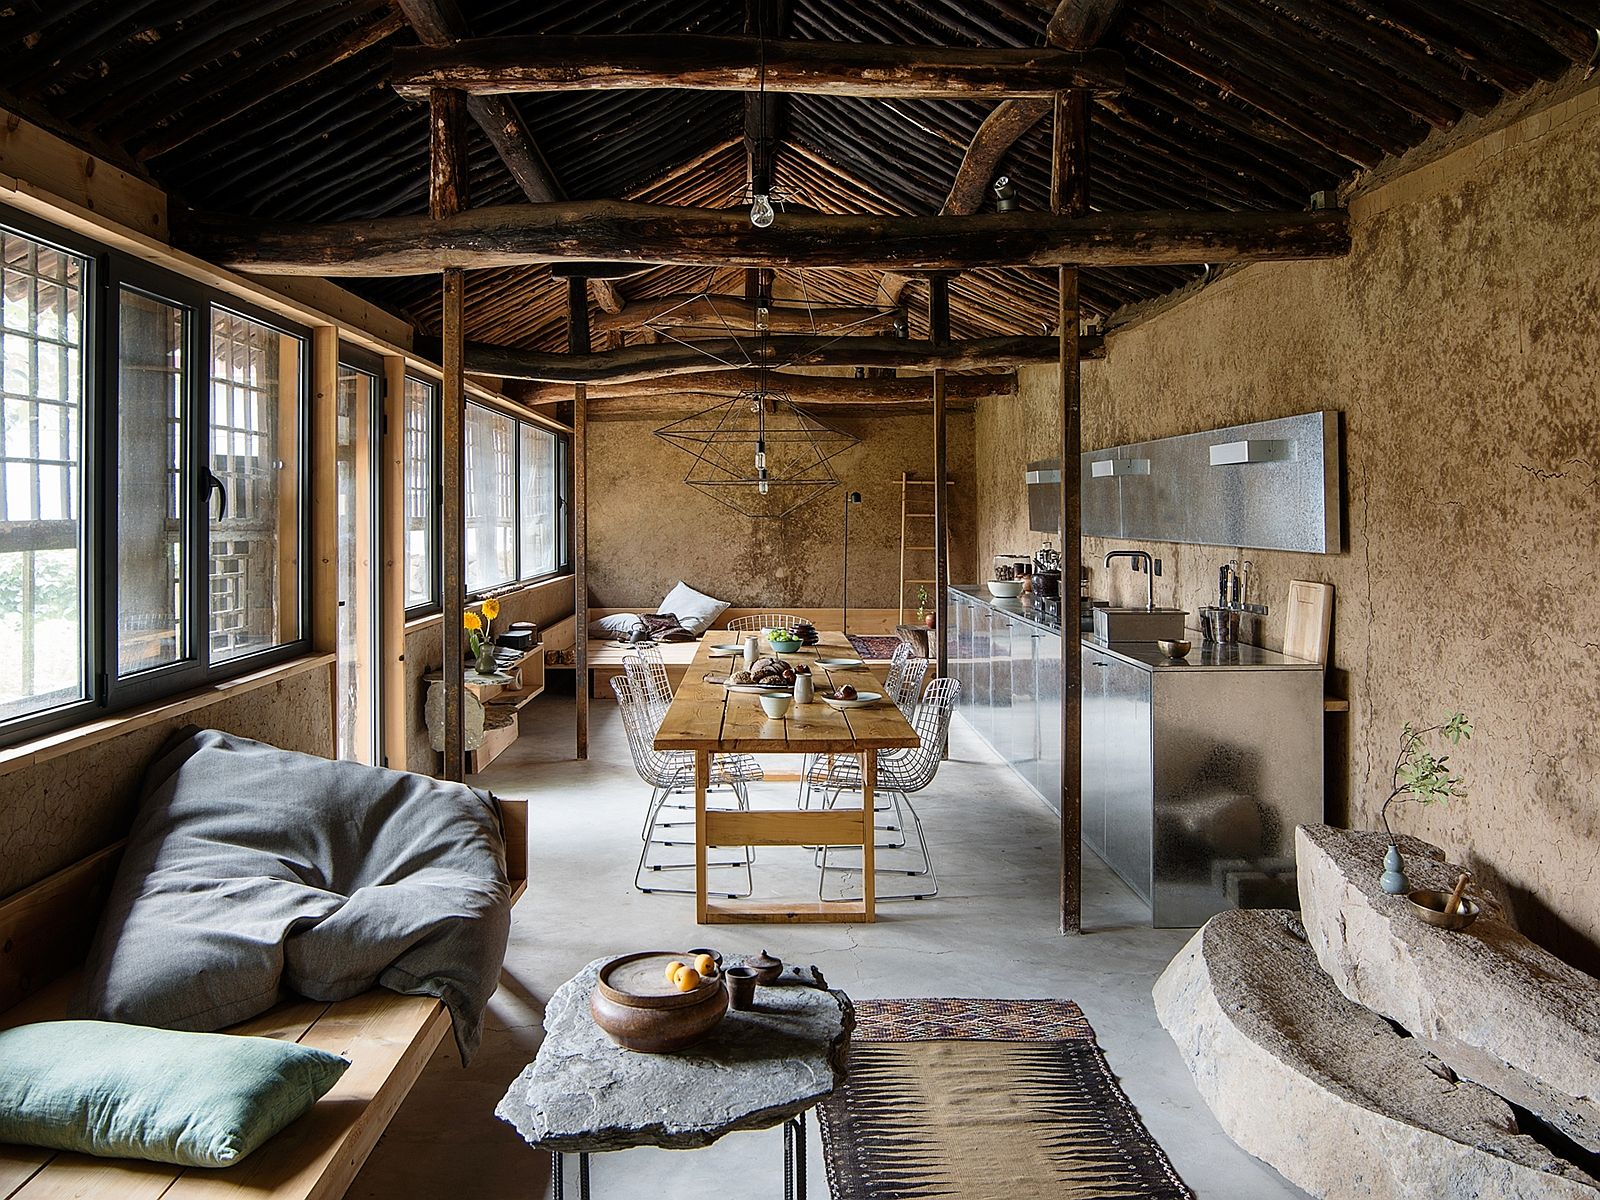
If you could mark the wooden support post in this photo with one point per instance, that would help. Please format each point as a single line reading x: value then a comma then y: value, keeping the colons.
x: 939, y: 335
x: 578, y: 343
x: 1069, y: 194
x: 447, y: 196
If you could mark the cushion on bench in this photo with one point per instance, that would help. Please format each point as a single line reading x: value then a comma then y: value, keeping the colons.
x: 250, y: 869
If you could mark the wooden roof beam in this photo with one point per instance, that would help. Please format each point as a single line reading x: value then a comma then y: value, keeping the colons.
x: 801, y: 388
x: 701, y: 311
x: 727, y: 356
x: 701, y: 62
x: 517, y: 235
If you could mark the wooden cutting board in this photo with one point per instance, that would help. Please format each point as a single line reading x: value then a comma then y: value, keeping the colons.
x: 1310, y: 620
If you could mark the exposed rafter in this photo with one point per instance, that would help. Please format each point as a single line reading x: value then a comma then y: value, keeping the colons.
x: 841, y: 390
x: 516, y: 235
x: 713, y: 312
x: 698, y: 62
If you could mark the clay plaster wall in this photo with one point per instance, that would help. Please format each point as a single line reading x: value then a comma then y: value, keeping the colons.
x: 1461, y: 339
x: 56, y: 811
x: 648, y: 529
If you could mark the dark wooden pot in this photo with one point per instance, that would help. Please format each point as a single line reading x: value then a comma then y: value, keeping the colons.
x: 636, y: 1008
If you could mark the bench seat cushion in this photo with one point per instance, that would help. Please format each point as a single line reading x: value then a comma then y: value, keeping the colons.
x: 251, y: 870
x: 125, y: 1091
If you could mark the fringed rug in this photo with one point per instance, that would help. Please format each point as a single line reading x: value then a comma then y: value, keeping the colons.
x: 985, y: 1100
x: 874, y: 645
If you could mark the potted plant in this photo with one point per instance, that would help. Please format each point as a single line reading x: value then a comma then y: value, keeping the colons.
x: 925, y: 615
x: 1420, y: 777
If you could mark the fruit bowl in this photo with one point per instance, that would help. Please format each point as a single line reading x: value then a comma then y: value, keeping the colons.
x: 1005, y: 589
x: 783, y: 645
x: 638, y: 1009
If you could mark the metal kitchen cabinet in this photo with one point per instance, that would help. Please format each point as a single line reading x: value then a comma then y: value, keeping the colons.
x: 1047, y: 673
x: 1002, y: 732
x: 1129, y: 780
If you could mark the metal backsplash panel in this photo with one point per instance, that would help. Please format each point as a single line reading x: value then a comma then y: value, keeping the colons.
x: 1287, y: 500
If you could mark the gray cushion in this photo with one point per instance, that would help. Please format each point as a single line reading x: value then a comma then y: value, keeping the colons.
x: 695, y: 610
x: 252, y: 869
x: 617, y: 625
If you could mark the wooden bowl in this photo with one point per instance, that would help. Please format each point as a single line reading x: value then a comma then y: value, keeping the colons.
x: 1429, y: 905
x: 639, y: 1010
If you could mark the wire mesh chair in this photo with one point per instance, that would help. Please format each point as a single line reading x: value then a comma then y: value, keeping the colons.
x: 672, y: 773
x: 903, y: 685
x: 759, y: 621
x: 647, y: 673
x: 900, y: 773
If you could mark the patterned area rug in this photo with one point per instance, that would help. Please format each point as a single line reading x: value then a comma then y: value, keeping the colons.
x: 874, y: 645
x: 985, y: 1100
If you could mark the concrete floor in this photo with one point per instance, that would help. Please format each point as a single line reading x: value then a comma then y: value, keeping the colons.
x: 991, y: 932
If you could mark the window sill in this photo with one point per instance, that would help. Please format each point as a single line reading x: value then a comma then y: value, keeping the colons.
x: 91, y: 733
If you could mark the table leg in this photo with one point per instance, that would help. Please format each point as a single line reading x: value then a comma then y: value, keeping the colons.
x: 794, y: 1158
x: 583, y: 1176
x: 557, y: 1179
x: 869, y: 835
x: 702, y: 783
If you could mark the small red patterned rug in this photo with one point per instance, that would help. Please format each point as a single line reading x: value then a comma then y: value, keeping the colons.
x: 985, y: 1100
x: 874, y: 645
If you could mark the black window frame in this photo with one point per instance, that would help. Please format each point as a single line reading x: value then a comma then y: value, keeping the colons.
x: 109, y: 273
x: 435, y: 489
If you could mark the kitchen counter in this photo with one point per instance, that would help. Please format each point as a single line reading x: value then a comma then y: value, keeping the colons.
x: 1014, y: 609
x: 1202, y: 656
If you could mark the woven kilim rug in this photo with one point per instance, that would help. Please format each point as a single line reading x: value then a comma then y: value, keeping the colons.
x: 985, y: 1100
x: 874, y: 645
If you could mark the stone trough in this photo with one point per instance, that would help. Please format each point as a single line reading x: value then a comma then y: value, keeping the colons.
x: 1369, y: 1054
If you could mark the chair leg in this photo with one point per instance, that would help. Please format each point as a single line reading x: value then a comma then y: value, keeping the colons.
x: 925, y: 872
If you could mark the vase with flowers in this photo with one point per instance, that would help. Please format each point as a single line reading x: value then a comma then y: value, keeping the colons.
x: 480, y: 635
x: 1420, y: 777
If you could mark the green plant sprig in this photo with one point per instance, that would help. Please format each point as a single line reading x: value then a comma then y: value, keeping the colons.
x: 1420, y: 776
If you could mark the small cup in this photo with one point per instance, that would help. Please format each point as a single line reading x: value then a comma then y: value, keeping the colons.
x: 741, y: 983
x: 776, y: 705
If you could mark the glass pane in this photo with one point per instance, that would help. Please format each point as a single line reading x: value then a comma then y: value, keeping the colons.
x: 42, y: 661
x: 255, y: 455
x: 539, y: 469
x: 491, y: 499
x: 422, y: 572
x: 151, y: 374
x: 355, y: 644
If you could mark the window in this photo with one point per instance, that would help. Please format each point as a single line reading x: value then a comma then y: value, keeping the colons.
x: 179, y: 557
x: 491, y: 506
x: 539, y: 523
x: 256, y: 373
x: 422, y: 491
x: 42, y: 544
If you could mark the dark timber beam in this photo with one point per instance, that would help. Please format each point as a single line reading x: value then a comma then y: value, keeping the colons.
x: 519, y: 235
x: 439, y: 23
x: 700, y: 62
x: 632, y: 363
x: 578, y: 345
x: 737, y: 314
x: 842, y: 391
x: 939, y: 336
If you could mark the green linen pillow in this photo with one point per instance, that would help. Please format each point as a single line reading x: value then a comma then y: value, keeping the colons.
x: 129, y: 1091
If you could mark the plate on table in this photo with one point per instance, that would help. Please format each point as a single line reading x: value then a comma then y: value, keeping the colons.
x: 727, y: 648
x: 761, y: 689
x: 839, y: 664
x: 861, y: 701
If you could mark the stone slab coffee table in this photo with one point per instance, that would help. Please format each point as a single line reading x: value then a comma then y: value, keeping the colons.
x: 584, y: 1094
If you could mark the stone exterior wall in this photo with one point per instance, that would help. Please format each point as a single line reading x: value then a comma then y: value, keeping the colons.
x: 1461, y: 340
x: 648, y: 529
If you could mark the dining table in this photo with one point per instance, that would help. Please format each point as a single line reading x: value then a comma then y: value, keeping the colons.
x: 706, y: 719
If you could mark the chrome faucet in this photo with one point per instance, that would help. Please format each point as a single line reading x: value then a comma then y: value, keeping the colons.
x: 1149, y: 572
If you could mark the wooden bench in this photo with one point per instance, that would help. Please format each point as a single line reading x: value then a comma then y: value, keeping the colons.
x: 44, y: 934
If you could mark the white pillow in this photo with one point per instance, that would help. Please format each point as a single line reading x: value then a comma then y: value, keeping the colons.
x: 695, y: 610
x: 617, y: 625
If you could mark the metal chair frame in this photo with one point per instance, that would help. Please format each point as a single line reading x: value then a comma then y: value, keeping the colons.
x: 756, y: 622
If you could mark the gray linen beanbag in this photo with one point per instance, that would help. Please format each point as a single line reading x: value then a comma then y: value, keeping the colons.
x: 252, y: 869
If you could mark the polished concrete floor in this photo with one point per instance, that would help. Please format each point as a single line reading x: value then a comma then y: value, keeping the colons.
x: 992, y: 931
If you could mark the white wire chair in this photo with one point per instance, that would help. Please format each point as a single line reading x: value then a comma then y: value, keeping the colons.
x: 902, y: 684
x: 647, y: 673
x: 756, y: 622
x: 672, y: 773
x: 900, y: 773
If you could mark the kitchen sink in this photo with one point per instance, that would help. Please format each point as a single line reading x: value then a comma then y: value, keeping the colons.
x: 1138, y: 624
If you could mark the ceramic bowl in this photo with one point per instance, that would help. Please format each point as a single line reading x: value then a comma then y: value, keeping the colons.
x: 1174, y: 647
x: 1429, y: 906
x: 775, y: 705
x: 1005, y: 589
x: 638, y: 1010
x: 783, y: 645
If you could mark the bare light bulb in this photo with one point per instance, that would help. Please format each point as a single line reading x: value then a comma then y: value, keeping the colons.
x: 761, y: 213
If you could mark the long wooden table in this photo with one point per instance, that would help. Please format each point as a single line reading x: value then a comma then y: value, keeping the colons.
x: 707, y: 720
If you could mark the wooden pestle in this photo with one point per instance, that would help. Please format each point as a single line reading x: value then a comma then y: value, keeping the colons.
x: 1453, y: 905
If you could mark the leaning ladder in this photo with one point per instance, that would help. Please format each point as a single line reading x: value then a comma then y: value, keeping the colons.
x: 916, y: 539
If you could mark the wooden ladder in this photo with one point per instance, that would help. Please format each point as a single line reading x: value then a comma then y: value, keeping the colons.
x: 916, y: 505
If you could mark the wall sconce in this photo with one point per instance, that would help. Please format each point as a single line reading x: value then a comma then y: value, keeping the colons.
x: 1255, y: 450
x: 1108, y: 468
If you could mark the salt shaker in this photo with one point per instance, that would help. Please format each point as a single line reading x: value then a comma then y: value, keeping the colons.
x: 752, y: 651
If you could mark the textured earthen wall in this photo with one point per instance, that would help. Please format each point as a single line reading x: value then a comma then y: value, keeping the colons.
x: 648, y: 529
x: 55, y: 812
x: 1461, y: 339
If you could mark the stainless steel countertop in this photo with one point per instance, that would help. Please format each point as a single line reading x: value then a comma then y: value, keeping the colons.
x: 1203, y: 656
x: 1011, y: 608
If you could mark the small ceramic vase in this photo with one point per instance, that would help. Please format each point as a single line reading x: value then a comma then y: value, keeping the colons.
x: 766, y: 967
x: 804, y: 689
x: 1394, y: 879
x: 485, y: 662
x: 752, y: 651
x: 741, y: 988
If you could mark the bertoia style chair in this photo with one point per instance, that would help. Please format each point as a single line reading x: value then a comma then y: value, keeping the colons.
x: 902, y: 684
x: 756, y: 622
x: 900, y: 773
x: 672, y: 773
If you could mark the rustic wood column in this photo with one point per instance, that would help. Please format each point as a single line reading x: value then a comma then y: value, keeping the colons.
x: 447, y: 195
x: 578, y: 343
x: 1069, y: 194
x: 939, y: 335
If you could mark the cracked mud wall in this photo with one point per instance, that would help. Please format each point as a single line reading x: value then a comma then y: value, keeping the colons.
x: 648, y: 529
x: 1461, y: 340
